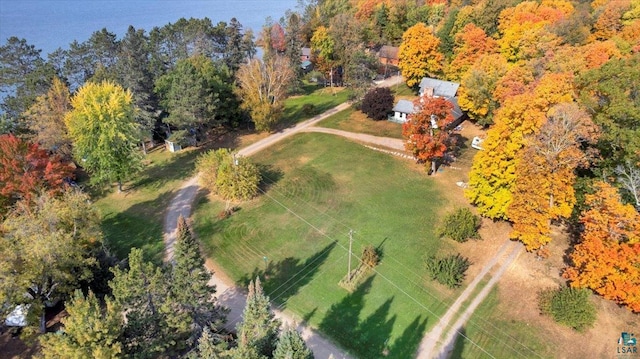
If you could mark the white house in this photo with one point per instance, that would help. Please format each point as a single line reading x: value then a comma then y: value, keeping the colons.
x: 404, y: 108
x: 433, y: 88
x: 401, y: 110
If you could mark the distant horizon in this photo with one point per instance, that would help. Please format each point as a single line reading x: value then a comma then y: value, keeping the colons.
x: 49, y: 25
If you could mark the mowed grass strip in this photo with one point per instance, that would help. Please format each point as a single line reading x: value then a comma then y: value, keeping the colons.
x: 489, y: 330
x: 352, y: 120
x: 295, y: 236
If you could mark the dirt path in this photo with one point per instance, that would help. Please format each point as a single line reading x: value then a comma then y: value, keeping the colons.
x: 393, y: 143
x: 228, y: 294
x: 429, y: 347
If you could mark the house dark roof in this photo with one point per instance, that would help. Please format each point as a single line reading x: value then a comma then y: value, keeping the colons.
x: 440, y: 88
x: 388, y: 52
x: 404, y: 106
x: 457, y: 111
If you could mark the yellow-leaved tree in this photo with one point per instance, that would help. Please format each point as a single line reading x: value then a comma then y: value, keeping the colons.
x: 419, y: 55
x: 493, y: 173
x: 263, y: 89
x: 104, y: 132
x: 545, y: 174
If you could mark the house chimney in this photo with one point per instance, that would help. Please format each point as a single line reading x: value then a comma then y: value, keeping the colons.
x: 428, y: 92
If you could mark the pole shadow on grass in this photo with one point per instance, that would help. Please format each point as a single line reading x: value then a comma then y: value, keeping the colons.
x: 283, y: 279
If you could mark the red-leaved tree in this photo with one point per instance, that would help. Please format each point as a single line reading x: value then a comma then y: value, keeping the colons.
x: 426, y: 132
x: 26, y: 170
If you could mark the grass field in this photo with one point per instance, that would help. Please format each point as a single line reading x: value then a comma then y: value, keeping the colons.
x: 489, y: 331
x: 317, y: 188
x: 314, y: 100
x: 355, y: 121
x: 134, y: 217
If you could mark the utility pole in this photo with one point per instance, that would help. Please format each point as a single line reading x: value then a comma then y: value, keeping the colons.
x: 350, y: 245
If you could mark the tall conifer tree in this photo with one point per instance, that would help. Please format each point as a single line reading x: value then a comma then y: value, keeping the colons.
x: 259, y: 328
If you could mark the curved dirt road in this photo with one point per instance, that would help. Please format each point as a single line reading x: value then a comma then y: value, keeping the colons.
x: 393, y: 143
x: 235, y: 298
x: 228, y: 294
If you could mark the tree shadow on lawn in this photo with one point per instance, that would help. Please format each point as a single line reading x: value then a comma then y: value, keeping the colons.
x: 179, y: 166
x: 139, y: 226
x: 303, y: 111
x: 270, y: 176
x: 369, y: 338
x: 458, y: 346
x: 283, y: 279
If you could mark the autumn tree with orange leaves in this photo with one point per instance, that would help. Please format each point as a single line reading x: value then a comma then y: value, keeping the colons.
x: 426, y: 130
x: 471, y: 43
x: 419, y: 54
x: 493, y: 173
x: 607, y: 259
x: 545, y: 174
x: 26, y: 170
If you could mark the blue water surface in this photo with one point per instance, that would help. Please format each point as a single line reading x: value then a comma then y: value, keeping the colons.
x: 49, y: 24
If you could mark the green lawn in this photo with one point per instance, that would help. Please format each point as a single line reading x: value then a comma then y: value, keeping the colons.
x: 135, y: 217
x: 313, y: 101
x: 317, y: 188
x: 403, y: 90
x: 490, y: 331
x: 355, y: 121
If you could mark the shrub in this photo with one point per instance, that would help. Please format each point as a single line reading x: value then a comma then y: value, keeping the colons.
x: 370, y: 256
x: 231, y: 177
x: 460, y: 225
x: 377, y: 103
x: 238, y: 181
x: 449, y: 270
x: 207, y: 165
x: 569, y: 306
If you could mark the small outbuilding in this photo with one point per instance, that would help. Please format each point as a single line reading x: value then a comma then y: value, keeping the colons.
x: 404, y: 108
x: 173, y: 146
x: 388, y: 55
x: 401, y: 110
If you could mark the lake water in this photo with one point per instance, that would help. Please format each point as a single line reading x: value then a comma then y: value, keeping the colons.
x: 49, y: 24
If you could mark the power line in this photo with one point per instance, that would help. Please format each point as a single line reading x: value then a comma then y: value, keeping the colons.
x: 422, y: 288
x: 378, y: 273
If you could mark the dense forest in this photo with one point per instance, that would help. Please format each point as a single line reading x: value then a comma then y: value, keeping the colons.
x: 555, y: 83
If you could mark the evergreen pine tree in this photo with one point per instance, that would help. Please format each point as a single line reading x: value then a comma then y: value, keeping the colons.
x: 90, y: 331
x: 291, y: 346
x: 211, y: 348
x: 189, y: 282
x: 259, y: 328
x: 153, y: 326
